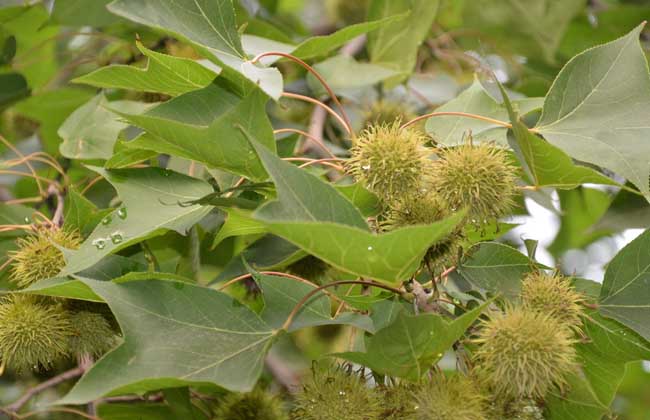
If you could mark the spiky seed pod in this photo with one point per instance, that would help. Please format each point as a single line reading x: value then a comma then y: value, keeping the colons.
x: 523, y: 353
x: 336, y: 394
x: 424, y: 209
x: 480, y: 177
x: 452, y: 398
x: 91, y: 334
x: 384, y: 112
x: 310, y: 268
x: 399, y: 402
x: 390, y: 162
x: 258, y: 405
x: 38, y: 258
x: 33, y: 332
x: 554, y: 295
x: 348, y: 12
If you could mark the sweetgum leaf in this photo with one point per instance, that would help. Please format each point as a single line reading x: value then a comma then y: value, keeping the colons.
x: 202, y: 126
x: 625, y: 295
x: 210, y: 26
x: 411, y: 344
x: 598, y: 108
x: 150, y: 198
x: 164, y: 74
x: 175, y: 334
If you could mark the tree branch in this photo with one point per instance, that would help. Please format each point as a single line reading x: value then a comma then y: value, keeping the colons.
x: 20, y: 402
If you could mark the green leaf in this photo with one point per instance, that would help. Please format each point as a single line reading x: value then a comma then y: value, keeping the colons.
x: 604, y: 358
x: 125, y: 156
x: 269, y: 251
x: 238, y: 222
x: 14, y: 88
x: 220, y: 144
x: 130, y: 411
x: 303, y: 196
x: 281, y: 295
x: 175, y: 334
x: 50, y: 109
x: 496, y: 267
x: 63, y: 287
x: 14, y: 214
x: 627, y: 211
x: 90, y: 131
x: 210, y: 26
x: 80, y: 213
x: 581, y: 208
x: 547, y: 165
x: 533, y: 28
x: 450, y: 130
x: 345, y: 75
x: 579, y: 404
x: 150, y: 199
x: 367, y: 202
x: 83, y: 13
x: 390, y: 257
x: 625, y: 295
x: 163, y: 74
x: 602, y: 118
x: 409, y: 346
x: 321, y: 45
x: 395, y: 45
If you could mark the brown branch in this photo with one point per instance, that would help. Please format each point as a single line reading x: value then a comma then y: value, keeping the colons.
x: 282, y: 373
x: 20, y: 402
x: 57, y: 218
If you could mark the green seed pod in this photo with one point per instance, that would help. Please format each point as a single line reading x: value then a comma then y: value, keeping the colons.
x: 336, y: 394
x: 390, y: 162
x: 553, y: 295
x: 347, y: 12
x: 522, y: 409
x: 524, y: 354
x: 33, y: 332
x: 384, y: 112
x: 258, y: 405
x: 91, y: 334
x: 452, y: 398
x: 38, y: 258
x: 424, y: 209
x: 480, y: 177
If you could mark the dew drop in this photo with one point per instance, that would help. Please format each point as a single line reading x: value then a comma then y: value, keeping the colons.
x: 121, y: 213
x: 107, y: 220
x: 365, y: 167
x: 99, y: 243
x: 117, y: 237
x: 341, y: 392
x: 27, y: 220
x: 369, y: 248
x: 439, y: 355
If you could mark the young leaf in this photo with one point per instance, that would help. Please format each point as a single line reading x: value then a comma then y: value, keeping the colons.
x: 598, y: 108
x: 625, y: 295
x: 175, y: 334
x: 164, y: 74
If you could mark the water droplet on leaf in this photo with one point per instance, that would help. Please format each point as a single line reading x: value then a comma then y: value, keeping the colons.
x: 106, y: 220
x: 117, y: 237
x: 99, y: 243
x: 121, y: 213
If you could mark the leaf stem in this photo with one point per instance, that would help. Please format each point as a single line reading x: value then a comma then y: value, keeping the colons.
x: 333, y: 113
x: 307, y: 136
x: 318, y: 76
x: 457, y: 114
x: 309, y: 295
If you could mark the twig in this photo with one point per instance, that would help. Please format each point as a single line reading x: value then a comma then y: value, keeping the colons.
x: 20, y: 402
x: 55, y: 410
x: 57, y: 219
x: 317, y: 124
x: 282, y: 373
